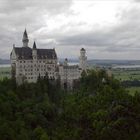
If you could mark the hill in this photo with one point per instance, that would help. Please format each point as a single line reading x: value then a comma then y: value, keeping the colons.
x: 4, y: 61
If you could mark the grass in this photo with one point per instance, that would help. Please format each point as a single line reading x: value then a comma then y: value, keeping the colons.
x: 133, y: 90
x: 130, y: 75
x: 4, y: 72
x: 124, y: 75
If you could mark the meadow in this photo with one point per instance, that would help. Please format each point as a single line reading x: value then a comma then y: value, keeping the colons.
x: 128, y: 75
x: 125, y: 74
x: 5, y: 72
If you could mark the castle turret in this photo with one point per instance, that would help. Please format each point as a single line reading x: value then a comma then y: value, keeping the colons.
x: 83, y: 59
x: 25, y: 39
x: 34, y: 51
x: 66, y: 62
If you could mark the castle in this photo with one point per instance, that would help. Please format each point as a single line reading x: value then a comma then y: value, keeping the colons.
x: 28, y: 64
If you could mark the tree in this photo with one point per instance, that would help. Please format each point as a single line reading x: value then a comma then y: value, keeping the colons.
x: 44, y: 137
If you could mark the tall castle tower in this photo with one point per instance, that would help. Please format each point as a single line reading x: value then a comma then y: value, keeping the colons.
x: 83, y: 59
x: 25, y: 39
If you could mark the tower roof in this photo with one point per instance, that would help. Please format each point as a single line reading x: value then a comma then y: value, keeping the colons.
x: 25, y: 35
x: 34, y: 45
x: 82, y: 49
x: 25, y: 39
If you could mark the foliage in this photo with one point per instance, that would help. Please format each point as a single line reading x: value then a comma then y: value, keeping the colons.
x: 99, y: 108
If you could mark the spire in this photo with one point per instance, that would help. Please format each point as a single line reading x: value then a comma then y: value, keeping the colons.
x: 34, y: 45
x: 25, y: 34
x: 25, y: 39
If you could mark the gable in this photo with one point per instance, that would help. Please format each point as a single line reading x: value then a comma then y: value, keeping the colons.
x: 13, y: 54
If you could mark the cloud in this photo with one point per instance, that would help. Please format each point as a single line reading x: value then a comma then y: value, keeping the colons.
x: 121, y: 38
x: 51, y: 7
x: 18, y: 14
x: 136, y: 0
x: 107, y: 29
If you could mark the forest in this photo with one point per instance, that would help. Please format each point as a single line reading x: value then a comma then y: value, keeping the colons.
x: 98, y: 108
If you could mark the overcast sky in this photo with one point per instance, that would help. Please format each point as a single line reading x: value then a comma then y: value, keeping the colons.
x: 107, y: 29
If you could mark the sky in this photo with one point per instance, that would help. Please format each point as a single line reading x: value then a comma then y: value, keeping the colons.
x: 107, y: 29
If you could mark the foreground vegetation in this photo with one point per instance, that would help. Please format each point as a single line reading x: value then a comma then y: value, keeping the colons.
x: 97, y: 109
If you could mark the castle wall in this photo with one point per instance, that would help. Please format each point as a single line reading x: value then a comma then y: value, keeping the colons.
x: 68, y: 74
x: 31, y: 70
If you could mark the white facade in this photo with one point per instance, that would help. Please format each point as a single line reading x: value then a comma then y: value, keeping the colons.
x: 30, y: 70
x: 68, y: 74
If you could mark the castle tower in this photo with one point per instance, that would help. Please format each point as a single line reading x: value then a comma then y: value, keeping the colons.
x: 83, y: 59
x: 66, y: 62
x: 25, y: 39
x: 34, y: 51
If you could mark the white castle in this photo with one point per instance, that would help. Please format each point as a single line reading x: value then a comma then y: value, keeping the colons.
x: 28, y: 64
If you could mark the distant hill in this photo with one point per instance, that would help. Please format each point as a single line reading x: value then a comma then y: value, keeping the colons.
x: 113, y: 62
x: 4, y: 61
x: 106, y: 62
